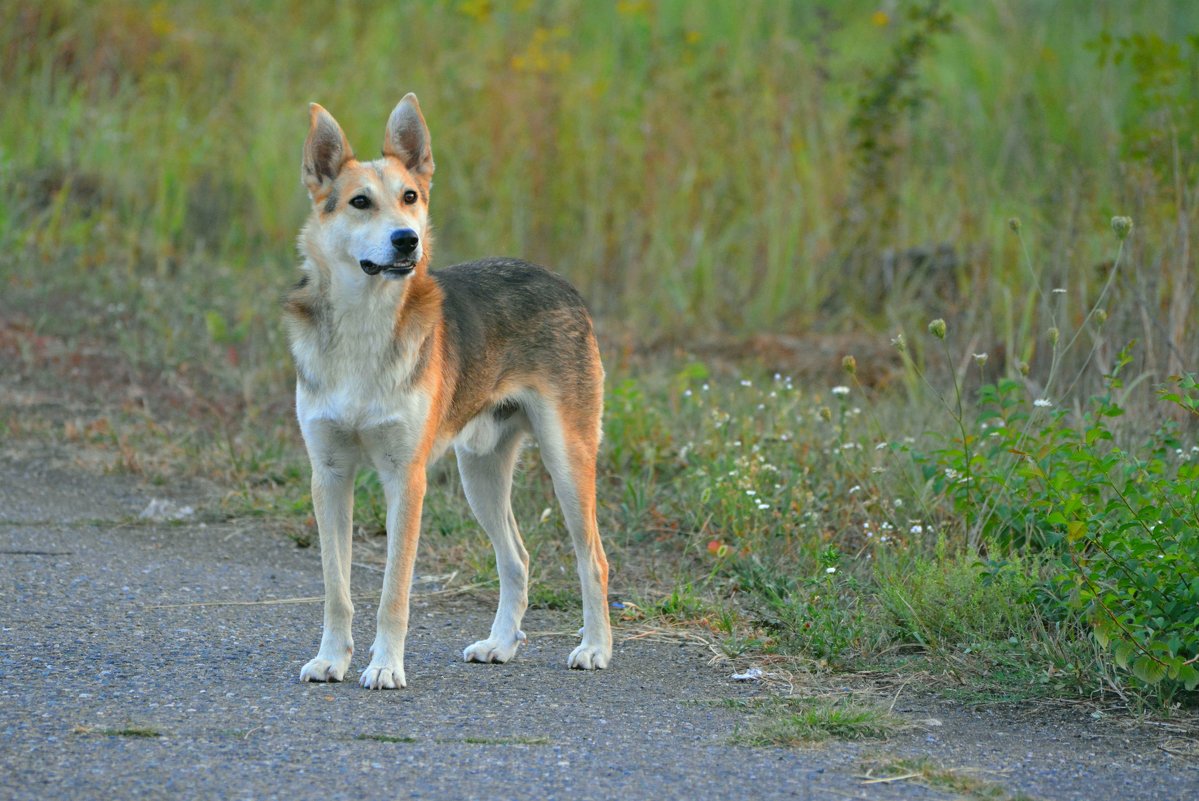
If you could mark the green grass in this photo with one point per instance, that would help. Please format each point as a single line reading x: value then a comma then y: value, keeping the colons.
x: 507, y: 740
x: 731, y: 124
x: 545, y: 596
x: 803, y: 721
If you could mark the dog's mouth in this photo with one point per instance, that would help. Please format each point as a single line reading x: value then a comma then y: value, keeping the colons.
x: 397, y: 269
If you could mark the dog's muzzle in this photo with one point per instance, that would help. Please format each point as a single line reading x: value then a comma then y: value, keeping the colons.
x: 404, y: 241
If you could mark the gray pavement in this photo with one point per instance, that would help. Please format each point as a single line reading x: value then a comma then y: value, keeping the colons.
x: 114, y: 624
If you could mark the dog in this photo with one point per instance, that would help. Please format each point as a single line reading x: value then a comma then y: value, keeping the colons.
x: 395, y: 363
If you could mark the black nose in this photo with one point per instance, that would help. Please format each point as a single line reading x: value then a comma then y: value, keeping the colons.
x: 404, y: 241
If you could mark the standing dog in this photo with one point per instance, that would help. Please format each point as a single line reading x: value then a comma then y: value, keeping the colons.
x: 395, y: 363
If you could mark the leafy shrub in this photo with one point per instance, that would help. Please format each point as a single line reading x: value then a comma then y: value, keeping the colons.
x: 1122, y: 523
x: 1135, y: 545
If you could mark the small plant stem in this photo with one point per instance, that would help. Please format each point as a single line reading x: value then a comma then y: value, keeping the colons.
x: 1091, y: 313
x: 1028, y: 262
x: 960, y: 420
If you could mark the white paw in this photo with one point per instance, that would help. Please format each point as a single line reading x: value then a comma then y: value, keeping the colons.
x: 493, y: 650
x: 321, y: 669
x: 383, y: 677
x: 590, y: 657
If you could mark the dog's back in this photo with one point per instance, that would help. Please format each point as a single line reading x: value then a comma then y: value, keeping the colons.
x: 511, y: 325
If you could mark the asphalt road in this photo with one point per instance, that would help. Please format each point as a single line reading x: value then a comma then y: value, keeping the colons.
x: 115, y: 627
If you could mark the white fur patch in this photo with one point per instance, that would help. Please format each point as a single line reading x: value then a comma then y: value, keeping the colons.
x: 480, y: 435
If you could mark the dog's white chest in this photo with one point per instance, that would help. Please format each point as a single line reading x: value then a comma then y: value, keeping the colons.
x: 358, y: 379
x: 359, y: 394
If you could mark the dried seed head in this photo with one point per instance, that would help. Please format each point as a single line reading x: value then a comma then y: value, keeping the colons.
x: 1054, y: 334
x: 1023, y: 368
x: 1122, y: 226
x: 849, y: 364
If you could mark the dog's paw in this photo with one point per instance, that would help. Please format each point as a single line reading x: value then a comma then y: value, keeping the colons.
x: 383, y: 677
x: 493, y: 650
x: 590, y: 657
x: 320, y: 669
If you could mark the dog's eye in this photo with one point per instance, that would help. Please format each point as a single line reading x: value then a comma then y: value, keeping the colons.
x: 360, y: 202
x: 410, y: 197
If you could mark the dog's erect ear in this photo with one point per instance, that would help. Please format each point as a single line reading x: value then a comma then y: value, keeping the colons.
x: 407, y: 137
x: 325, y: 151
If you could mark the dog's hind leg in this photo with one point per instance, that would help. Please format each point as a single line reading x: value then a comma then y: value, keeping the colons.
x: 334, y: 462
x: 487, y: 480
x: 569, y: 446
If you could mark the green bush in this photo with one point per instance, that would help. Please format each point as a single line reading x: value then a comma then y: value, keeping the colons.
x: 1120, y: 522
x: 1135, y: 544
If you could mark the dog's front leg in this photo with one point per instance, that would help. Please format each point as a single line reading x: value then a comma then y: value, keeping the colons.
x: 403, y: 479
x: 334, y: 461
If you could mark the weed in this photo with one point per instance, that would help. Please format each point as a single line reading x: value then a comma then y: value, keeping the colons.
x: 801, y: 721
x: 951, y: 780
x: 387, y: 738
x: 507, y: 740
x: 954, y: 602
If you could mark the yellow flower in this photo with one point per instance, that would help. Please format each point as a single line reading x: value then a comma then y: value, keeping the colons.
x: 880, y: 18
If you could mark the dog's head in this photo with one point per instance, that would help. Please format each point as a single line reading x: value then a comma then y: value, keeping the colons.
x: 372, y: 215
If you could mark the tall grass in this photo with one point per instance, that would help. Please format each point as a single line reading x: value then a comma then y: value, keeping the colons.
x: 691, y: 165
